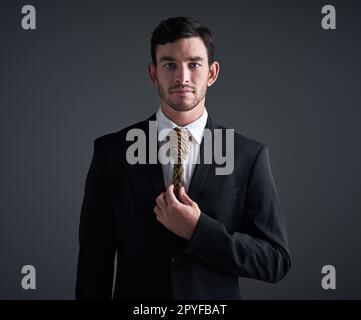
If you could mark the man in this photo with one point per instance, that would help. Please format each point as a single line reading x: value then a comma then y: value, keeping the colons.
x: 180, y: 230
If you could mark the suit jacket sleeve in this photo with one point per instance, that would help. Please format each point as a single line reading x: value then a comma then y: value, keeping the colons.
x: 96, y: 234
x: 260, y: 249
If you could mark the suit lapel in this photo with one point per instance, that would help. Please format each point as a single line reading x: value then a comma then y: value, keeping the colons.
x: 201, y: 170
x: 154, y: 170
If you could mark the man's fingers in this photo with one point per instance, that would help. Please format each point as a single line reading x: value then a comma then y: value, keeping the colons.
x: 171, y: 198
x: 161, y: 202
x: 157, y: 211
x: 185, y: 198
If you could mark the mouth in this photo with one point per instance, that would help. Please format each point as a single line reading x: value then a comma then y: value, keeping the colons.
x: 182, y: 92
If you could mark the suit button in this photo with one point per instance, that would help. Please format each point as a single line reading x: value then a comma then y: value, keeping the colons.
x: 176, y: 260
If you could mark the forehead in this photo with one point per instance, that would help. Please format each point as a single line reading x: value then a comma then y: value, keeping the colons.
x: 182, y: 48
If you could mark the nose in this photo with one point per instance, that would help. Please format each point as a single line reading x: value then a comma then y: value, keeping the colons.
x: 182, y: 75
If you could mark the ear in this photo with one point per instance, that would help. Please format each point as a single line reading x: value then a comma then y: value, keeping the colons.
x: 152, y: 74
x: 213, y: 73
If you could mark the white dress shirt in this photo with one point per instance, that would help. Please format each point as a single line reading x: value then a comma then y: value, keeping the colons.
x: 196, y: 129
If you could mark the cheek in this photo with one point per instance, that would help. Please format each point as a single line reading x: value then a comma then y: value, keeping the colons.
x: 163, y: 80
x: 201, y: 80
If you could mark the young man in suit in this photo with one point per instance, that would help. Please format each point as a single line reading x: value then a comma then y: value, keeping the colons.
x: 180, y: 230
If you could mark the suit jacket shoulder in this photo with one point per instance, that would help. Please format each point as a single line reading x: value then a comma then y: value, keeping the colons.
x: 117, y: 140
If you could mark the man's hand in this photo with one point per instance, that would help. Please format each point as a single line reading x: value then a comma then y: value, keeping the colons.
x: 179, y: 216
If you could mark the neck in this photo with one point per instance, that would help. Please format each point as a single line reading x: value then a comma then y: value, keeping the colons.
x: 183, y: 118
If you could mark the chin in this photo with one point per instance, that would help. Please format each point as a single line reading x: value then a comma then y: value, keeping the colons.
x: 182, y: 108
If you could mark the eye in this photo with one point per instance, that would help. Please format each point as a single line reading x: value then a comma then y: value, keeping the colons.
x: 169, y: 65
x: 194, y: 65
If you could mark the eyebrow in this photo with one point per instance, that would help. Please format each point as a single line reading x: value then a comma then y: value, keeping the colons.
x: 169, y: 58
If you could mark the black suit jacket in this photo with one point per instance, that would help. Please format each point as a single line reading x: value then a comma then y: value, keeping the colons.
x: 241, y: 231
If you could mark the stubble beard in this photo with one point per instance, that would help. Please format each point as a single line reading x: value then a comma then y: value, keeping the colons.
x: 182, y: 106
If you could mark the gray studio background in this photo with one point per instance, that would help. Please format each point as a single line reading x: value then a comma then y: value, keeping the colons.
x: 283, y: 81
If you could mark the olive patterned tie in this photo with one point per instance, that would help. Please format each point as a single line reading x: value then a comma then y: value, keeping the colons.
x: 179, y: 140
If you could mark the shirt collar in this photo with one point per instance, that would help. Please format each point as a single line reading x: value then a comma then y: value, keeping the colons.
x: 196, y: 128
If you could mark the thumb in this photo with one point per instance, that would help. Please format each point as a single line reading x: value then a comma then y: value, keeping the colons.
x: 184, y: 197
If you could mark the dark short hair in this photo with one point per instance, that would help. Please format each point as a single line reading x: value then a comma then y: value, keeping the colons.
x: 176, y: 28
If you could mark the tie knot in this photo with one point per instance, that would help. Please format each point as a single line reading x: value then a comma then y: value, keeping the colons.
x: 179, y: 141
x: 182, y: 132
